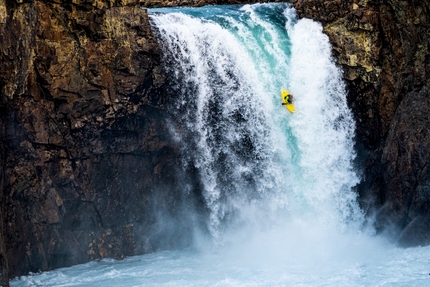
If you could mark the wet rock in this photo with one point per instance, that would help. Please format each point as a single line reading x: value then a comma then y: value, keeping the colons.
x: 4, y: 276
x: 323, y: 11
x: 405, y: 170
x: 415, y: 233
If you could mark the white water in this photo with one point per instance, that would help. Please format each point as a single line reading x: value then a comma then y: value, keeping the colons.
x: 278, y: 186
x: 256, y: 160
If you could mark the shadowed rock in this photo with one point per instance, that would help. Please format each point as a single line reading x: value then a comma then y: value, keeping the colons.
x: 405, y: 169
x: 85, y: 152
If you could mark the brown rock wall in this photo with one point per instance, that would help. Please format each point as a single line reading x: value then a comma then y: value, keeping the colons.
x: 322, y: 11
x: 4, y: 270
x: 406, y: 173
x: 85, y: 152
x: 3, y: 259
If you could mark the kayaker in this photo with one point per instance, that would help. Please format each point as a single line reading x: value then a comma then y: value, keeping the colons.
x: 288, y: 99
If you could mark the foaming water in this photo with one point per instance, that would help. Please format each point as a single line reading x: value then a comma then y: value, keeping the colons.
x: 259, y: 164
x: 324, y: 127
x: 380, y: 265
x: 278, y: 186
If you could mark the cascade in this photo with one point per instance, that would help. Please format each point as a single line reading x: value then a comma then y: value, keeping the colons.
x: 255, y: 159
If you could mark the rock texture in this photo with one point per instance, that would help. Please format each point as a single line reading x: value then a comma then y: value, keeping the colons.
x: 87, y: 166
x: 384, y: 50
x: 406, y: 173
x: 3, y: 258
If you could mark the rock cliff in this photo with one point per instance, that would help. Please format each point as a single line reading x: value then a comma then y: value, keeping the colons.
x: 3, y: 259
x: 85, y: 155
x: 384, y: 50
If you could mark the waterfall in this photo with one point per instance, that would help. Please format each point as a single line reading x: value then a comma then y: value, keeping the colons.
x: 256, y: 161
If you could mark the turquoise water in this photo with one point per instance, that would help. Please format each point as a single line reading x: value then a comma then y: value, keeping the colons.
x: 278, y: 187
x: 257, y: 160
x: 380, y: 266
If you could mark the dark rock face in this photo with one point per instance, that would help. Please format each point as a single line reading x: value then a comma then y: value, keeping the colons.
x: 3, y: 259
x: 87, y: 168
x: 406, y: 173
x: 322, y: 11
x: 384, y: 50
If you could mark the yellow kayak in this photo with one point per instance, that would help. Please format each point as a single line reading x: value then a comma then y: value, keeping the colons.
x: 284, y: 95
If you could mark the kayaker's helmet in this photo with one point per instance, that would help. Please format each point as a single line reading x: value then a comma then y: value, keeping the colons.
x: 291, y: 96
